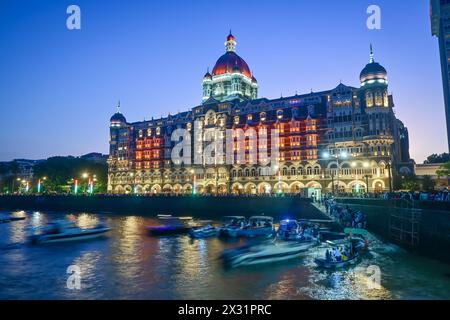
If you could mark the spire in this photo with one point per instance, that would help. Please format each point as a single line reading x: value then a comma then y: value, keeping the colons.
x: 371, y: 54
x: 118, y: 107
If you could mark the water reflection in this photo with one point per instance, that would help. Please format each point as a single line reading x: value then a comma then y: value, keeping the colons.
x: 129, y: 264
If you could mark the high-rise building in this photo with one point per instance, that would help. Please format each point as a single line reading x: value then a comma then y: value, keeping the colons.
x: 440, y: 27
x: 344, y: 139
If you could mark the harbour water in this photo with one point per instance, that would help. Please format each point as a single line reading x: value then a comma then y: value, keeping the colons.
x: 129, y: 264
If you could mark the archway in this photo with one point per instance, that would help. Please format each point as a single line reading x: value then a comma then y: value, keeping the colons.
x: 264, y: 188
x: 155, y: 189
x: 250, y: 188
x: 237, y: 188
x: 296, y: 187
x: 378, y: 186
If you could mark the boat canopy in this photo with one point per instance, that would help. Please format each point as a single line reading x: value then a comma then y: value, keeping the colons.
x: 233, y: 217
x: 264, y: 218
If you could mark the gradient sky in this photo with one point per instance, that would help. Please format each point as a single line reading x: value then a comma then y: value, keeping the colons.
x: 58, y: 88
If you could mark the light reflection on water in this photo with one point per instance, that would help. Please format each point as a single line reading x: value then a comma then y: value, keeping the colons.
x: 128, y: 264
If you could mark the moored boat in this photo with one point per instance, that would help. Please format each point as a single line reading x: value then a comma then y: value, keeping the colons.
x: 203, y: 232
x: 65, y: 232
x: 257, y: 226
x: 231, y: 226
x: 171, y: 225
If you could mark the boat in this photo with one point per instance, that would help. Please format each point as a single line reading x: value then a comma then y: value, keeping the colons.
x: 11, y: 219
x: 203, y: 232
x: 171, y: 225
x: 65, y: 232
x: 292, y: 230
x: 288, y: 230
x: 257, y: 226
x: 231, y: 226
x: 329, y: 264
x: 264, y: 253
x: 355, y: 245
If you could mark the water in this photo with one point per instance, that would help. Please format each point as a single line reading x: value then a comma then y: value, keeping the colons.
x: 128, y: 264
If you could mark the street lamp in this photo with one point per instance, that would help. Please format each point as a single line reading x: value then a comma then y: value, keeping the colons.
x: 194, y: 181
x: 388, y: 167
x: 342, y: 155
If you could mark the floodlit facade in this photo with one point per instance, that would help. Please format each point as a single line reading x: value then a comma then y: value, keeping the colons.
x: 345, y: 139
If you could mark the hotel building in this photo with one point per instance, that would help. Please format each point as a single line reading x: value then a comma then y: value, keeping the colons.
x: 345, y: 139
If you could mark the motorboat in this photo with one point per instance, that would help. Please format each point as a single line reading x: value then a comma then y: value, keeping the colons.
x: 203, y: 232
x: 171, y: 225
x: 231, y: 226
x: 11, y: 219
x: 264, y: 253
x: 258, y: 226
x: 348, y: 250
x: 288, y: 230
x: 65, y: 232
x: 334, y: 264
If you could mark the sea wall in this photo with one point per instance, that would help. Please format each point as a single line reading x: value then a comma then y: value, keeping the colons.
x: 202, y: 207
x: 431, y: 222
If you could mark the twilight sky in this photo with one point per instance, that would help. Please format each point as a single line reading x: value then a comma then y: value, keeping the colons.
x: 58, y: 88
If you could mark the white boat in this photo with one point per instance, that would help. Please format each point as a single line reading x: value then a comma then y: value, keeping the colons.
x: 258, y: 226
x: 65, y: 232
x: 231, y: 226
x: 264, y: 253
x: 203, y: 232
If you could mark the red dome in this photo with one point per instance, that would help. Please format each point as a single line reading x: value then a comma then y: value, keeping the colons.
x: 230, y: 62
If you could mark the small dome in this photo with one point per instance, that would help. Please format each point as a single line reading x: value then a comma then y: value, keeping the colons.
x: 118, y: 117
x: 231, y: 37
x: 207, y: 75
x: 373, y: 71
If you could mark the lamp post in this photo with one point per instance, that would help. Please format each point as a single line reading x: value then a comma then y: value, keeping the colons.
x: 389, y: 168
x: 341, y: 155
x: 194, y: 178
x: 366, y: 175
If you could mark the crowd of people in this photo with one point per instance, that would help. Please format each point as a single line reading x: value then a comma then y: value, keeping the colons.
x: 346, y: 216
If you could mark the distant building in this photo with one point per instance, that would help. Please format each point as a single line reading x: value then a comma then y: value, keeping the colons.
x: 422, y: 170
x: 345, y: 139
x: 440, y: 27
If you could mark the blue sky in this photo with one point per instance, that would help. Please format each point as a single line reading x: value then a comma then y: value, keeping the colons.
x: 58, y: 88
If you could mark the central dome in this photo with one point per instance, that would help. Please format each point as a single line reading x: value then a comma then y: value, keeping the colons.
x: 230, y: 62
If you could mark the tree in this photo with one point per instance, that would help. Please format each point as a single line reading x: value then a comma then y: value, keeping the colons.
x: 428, y: 184
x: 444, y: 170
x: 61, y: 171
x: 410, y: 183
x: 437, y: 158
